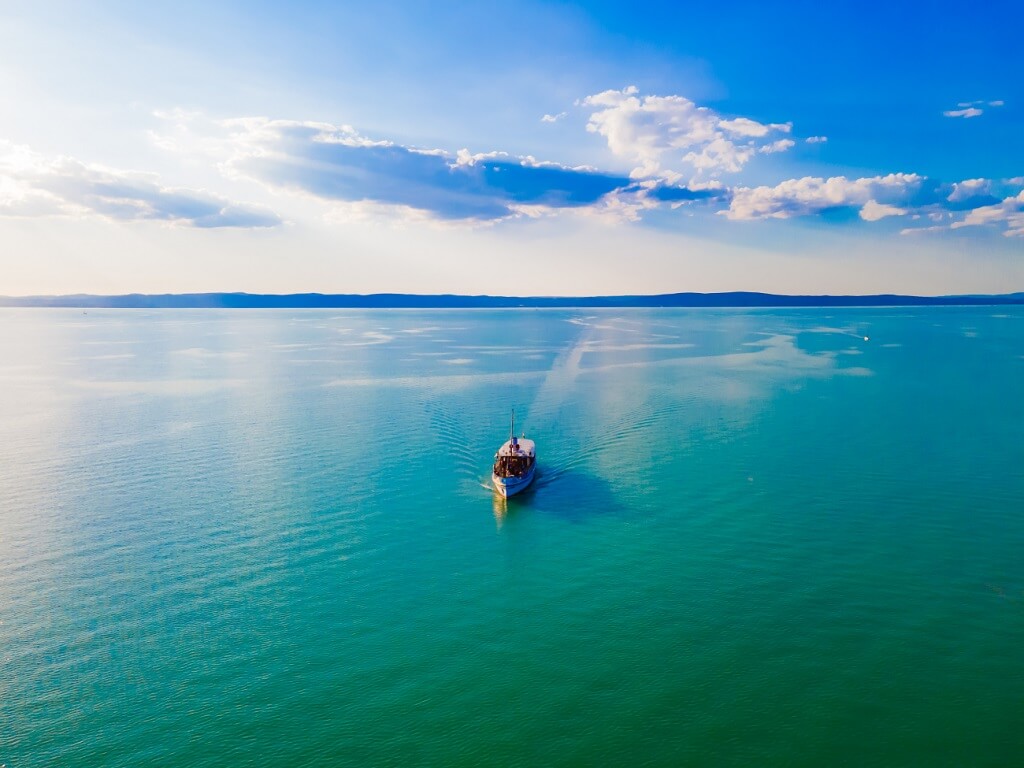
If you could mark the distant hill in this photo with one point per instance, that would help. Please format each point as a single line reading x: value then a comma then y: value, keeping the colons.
x: 407, y: 300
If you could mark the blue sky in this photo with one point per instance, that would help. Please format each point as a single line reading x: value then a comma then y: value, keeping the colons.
x: 511, y: 148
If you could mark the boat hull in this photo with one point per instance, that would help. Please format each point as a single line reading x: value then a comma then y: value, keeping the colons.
x: 510, y: 486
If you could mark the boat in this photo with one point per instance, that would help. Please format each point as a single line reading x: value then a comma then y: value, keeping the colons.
x: 514, y: 464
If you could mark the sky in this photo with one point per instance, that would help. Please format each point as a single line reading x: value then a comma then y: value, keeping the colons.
x: 511, y: 148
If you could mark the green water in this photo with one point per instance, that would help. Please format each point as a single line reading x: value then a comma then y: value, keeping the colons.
x: 246, y: 538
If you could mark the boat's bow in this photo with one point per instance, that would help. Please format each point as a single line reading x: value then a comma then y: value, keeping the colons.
x: 515, y: 464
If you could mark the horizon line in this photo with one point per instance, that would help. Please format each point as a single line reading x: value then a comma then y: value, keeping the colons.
x: 312, y: 300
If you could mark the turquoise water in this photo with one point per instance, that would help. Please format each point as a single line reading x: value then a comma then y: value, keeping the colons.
x: 266, y: 538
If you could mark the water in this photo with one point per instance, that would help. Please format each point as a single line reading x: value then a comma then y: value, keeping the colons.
x: 266, y: 538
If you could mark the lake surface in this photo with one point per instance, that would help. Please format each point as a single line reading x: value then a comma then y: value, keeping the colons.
x: 247, y: 538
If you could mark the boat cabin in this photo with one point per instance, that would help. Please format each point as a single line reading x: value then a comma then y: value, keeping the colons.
x: 515, y: 458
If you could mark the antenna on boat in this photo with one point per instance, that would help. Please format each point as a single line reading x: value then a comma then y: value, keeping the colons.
x: 512, y: 431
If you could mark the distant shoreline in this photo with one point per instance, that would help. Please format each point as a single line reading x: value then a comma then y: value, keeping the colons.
x: 736, y: 299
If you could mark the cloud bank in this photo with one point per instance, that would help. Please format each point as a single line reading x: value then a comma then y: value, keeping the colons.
x: 660, y: 136
x: 880, y: 197
x: 34, y: 185
x: 875, y: 197
x: 336, y: 163
x: 1008, y: 212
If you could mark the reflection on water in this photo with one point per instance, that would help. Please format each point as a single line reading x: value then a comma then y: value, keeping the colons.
x: 500, y: 506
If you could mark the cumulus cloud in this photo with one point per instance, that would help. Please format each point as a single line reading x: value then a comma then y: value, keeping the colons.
x: 970, y: 203
x: 463, y: 157
x: 811, y: 195
x: 553, y: 118
x: 34, y: 185
x: 1008, y: 212
x: 969, y: 194
x: 743, y: 126
x: 964, y: 203
x: 816, y: 139
x: 968, y: 189
x: 660, y: 132
x: 873, y: 211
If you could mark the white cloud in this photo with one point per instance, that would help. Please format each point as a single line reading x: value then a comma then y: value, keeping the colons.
x: 919, y: 230
x: 777, y: 146
x: 358, y: 177
x: 464, y: 158
x: 32, y: 184
x: 744, y: 126
x: 717, y: 155
x: 553, y: 118
x: 968, y: 188
x: 816, y: 139
x: 658, y: 131
x: 976, y: 102
x: 1009, y: 212
x: 968, y: 112
x: 943, y: 206
x: 616, y: 207
x: 873, y: 211
x: 810, y: 195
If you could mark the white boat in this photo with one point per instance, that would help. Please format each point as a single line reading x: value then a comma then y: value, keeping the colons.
x: 514, y: 464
